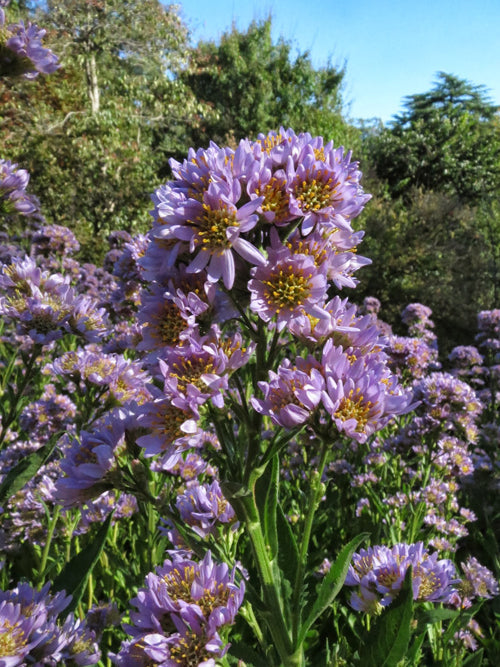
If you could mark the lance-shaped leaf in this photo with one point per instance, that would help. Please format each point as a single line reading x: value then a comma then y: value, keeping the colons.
x: 73, y: 577
x: 430, y: 616
x: 331, y: 584
x: 474, y: 660
x: 26, y: 469
x: 266, y: 495
x: 288, y: 551
x: 388, y: 641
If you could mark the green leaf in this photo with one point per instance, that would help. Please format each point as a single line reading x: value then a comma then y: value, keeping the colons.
x: 474, y: 660
x: 431, y: 616
x: 288, y: 552
x: 461, y: 620
x: 266, y: 495
x: 234, y: 490
x: 73, y: 577
x: 331, y: 584
x: 413, y: 653
x: 26, y: 469
x: 388, y: 641
x: 250, y: 657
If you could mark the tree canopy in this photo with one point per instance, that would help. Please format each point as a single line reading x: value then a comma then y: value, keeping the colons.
x: 253, y: 85
x: 446, y: 140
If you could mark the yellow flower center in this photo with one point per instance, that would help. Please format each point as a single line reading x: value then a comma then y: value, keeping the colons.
x: 354, y: 407
x: 286, y: 289
x: 11, y: 639
x: 276, y: 199
x: 316, y: 193
x: 213, y: 225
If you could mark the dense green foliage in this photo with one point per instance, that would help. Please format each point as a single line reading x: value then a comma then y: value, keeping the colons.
x: 132, y: 92
x: 251, y: 83
x: 432, y: 228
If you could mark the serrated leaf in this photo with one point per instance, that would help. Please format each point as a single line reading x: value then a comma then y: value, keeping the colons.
x: 331, y: 584
x: 26, y: 469
x: 388, y: 641
x: 73, y: 577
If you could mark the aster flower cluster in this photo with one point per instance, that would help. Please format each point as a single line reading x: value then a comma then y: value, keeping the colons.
x: 417, y: 318
x: 32, y: 630
x: 379, y: 572
x: 261, y: 232
x: 22, y: 51
x: 488, y: 327
x: 180, y: 614
x: 44, y: 306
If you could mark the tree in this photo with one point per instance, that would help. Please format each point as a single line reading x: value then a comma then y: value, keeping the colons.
x: 433, y: 250
x: 87, y: 134
x: 253, y: 85
x: 447, y: 140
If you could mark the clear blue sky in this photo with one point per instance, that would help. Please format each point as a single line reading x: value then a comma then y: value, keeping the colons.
x: 391, y: 48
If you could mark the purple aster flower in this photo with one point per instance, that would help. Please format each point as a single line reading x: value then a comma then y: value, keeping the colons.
x: 45, y: 306
x: 410, y: 358
x: 291, y: 395
x: 198, y: 370
x: 30, y: 630
x: 371, y: 306
x: 51, y: 413
x: 180, y: 610
x: 271, y: 187
x: 379, y: 572
x: 17, y: 634
x: 340, y: 323
x: 173, y: 428
x: 123, y: 505
x: 118, y: 379
x: 54, y: 240
x: 163, y: 320
x: 447, y: 404
x: 324, y: 190
x: 90, y: 462
x: 21, y: 50
x: 478, y: 581
x: 213, y: 228
x: 417, y: 319
x: 203, y: 507
x: 181, y: 582
x: 360, y: 395
x: 287, y: 287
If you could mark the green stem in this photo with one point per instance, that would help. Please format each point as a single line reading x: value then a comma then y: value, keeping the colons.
x: 316, y: 492
x: 249, y: 515
x: 48, y: 542
x: 21, y: 386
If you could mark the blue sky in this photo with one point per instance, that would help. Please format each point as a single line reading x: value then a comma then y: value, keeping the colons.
x: 391, y: 48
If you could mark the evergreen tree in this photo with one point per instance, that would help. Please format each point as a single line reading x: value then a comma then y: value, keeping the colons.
x: 447, y: 140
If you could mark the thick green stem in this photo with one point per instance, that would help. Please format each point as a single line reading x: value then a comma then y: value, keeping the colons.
x: 249, y: 515
x: 317, y: 491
